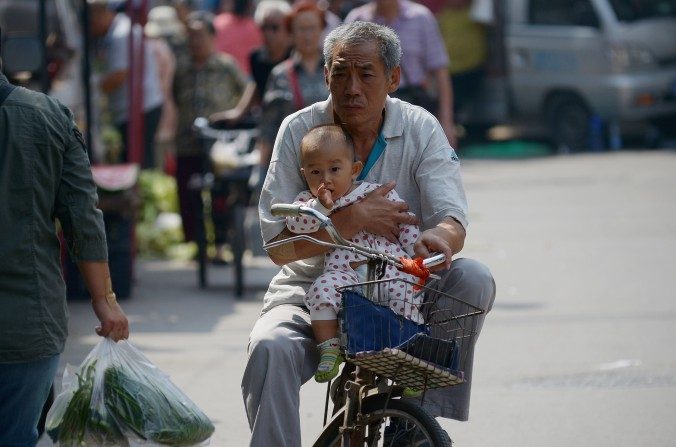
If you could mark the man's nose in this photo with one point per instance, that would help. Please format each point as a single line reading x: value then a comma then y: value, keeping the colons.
x: 353, y: 85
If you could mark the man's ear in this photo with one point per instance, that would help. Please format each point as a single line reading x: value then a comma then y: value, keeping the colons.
x: 357, y: 166
x: 326, y: 75
x: 394, y: 79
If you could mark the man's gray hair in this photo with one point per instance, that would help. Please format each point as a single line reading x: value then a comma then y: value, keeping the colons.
x: 268, y: 8
x: 358, y: 33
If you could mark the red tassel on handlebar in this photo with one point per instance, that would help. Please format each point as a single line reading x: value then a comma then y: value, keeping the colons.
x: 416, y: 268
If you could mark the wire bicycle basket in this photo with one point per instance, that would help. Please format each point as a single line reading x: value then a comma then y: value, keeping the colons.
x: 419, y: 356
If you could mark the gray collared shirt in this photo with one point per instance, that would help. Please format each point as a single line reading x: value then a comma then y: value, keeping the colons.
x: 417, y: 156
x: 44, y: 174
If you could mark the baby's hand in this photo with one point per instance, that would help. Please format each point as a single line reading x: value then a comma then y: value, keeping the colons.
x: 324, y: 196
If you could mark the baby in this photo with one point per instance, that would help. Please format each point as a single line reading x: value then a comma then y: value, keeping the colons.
x: 327, y: 160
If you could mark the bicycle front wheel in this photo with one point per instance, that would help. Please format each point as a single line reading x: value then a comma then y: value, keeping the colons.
x: 389, y: 423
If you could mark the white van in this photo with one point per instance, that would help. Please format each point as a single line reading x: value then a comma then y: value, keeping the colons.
x: 576, y: 63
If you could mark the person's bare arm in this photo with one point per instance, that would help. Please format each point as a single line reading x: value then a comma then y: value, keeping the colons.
x: 445, y: 91
x: 448, y: 238
x: 375, y: 214
x: 113, y: 81
x: 114, y: 322
x: 234, y: 115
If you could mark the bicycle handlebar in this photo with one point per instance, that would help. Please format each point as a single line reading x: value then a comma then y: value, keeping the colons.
x: 289, y: 210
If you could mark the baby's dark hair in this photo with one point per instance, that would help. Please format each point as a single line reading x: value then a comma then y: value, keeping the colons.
x: 326, y: 133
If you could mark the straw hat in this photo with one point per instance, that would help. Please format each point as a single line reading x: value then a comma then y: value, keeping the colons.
x: 163, y: 22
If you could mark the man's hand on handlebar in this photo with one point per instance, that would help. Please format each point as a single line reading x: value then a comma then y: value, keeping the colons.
x: 382, y: 216
x: 430, y: 243
x: 448, y: 238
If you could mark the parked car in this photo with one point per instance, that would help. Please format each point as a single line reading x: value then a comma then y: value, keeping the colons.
x: 582, y: 64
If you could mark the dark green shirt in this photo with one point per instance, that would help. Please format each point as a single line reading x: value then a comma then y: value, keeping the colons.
x: 44, y: 174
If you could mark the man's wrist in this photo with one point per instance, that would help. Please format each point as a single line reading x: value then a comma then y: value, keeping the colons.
x: 350, y: 220
x: 111, y: 298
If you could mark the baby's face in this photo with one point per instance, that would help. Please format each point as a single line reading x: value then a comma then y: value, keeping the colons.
x: 332, y: 166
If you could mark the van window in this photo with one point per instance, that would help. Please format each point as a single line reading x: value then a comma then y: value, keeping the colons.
x: 563, y: 13
x: 633, y: 10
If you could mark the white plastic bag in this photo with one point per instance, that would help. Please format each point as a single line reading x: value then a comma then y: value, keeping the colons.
x: 120, y: 398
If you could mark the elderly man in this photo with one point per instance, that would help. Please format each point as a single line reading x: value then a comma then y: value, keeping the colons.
x: 398, y: 143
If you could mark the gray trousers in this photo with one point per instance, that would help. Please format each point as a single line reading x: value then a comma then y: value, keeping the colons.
x: 283, y: 356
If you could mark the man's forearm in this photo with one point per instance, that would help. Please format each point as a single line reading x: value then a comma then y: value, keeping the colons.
x: 445, y: 91
x: 453, y: 232
x: 97, y: 278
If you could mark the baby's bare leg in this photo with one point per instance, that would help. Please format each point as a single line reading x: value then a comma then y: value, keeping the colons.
x: 324, y: 329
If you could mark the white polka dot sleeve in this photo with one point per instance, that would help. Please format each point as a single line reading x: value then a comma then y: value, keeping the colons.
x: 305, y: 224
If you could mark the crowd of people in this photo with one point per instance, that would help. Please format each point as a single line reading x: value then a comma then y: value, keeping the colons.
x: 263, y: 60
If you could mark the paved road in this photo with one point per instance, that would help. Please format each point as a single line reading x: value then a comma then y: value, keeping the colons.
x: 579, y: 349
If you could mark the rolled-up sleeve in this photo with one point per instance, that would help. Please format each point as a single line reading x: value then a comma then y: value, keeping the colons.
x: 76, y: 200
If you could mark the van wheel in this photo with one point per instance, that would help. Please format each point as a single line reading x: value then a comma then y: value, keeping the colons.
x: 568, y: 121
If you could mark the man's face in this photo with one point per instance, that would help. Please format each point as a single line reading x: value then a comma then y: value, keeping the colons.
x: 274, y: 31
x: 359, y: 83
x: 200, y: 41
x: 306, y: 30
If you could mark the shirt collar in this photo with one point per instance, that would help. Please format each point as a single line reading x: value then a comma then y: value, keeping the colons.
x: 393, y: 126
x: 3, y: 79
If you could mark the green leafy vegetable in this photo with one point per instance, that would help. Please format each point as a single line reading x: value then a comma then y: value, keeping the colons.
x: 153, y: 413
x: 134, y: 402
x: 80, y: 425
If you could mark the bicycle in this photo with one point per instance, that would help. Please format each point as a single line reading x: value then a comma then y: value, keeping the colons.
x: 229, y: 160
x: 386, y: 354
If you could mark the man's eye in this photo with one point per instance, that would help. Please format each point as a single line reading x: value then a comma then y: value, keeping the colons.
x: 314, y: 172
x: 335, y: 169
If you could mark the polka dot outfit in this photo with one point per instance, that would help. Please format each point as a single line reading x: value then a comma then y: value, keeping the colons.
x: 322, y: 299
